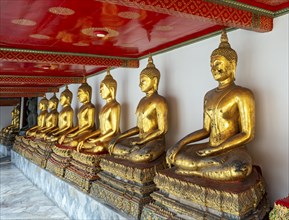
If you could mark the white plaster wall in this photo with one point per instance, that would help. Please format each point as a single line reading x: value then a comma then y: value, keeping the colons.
x: 186, y: 77
x: 5, y: 116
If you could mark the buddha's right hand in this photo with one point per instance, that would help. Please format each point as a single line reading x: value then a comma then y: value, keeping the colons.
x: 112, y: 144
x: 61, y: 139
x: 171, y: 154
x: 79, y: 146
x: 170, y: 158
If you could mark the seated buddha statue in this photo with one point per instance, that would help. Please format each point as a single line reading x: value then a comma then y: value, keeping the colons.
x: 65, y: 117
x: 14, y: 126
x: 229, y: 123
x: 51, y: 120
x: 125, y: 179
x: 109, y: 120
x: 43, y: 105
x: 85, y: 116
x: 145, y: 142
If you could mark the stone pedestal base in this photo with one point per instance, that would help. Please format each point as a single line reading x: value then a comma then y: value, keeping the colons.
x: 57, y: 164
x: 185, y: 197
x: 22, y: 148
x: 83, y: 169
x: 42, y: 153
x: 59, y: 160
x: 7, y: 139
x: 28, y: 149
x: 126, y: 186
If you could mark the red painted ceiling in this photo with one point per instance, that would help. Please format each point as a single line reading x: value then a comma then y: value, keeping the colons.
x: 45, y: 43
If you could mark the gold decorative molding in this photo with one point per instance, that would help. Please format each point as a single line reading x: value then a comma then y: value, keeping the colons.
x: 140, y: 173
x: 212, y: 11
x: 28, y: 89
x: 234, y: 198
x: 19, y: 95
x: 11, y: 79
x: 36, y: 56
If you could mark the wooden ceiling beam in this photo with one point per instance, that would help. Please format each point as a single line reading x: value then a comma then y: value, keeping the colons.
x: 48, y: 57
x: 38, y: 80
x: 28, y: 89
x: 9, y: 101
x: 237, y: 16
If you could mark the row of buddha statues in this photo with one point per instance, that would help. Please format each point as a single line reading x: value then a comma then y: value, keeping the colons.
x: 134, y: 171
x: 7, y: 134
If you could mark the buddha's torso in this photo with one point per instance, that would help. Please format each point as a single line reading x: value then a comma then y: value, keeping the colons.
x: 41, y: 118
x: 105, y: 118
x: 85, y: 112
x: 52, y: 119
x: 221, y: 107
x: 65, y: 115
x: 147, y: 114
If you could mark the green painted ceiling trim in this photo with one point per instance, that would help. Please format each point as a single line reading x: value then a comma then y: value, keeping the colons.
x: 281, y: 12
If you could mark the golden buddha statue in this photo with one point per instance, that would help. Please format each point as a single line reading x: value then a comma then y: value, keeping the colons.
x: 14, y: 126
x: 65, y: 122
x: 229, y: 123
x: 109, y: 120
x: 126, y: 177
x: 85, y: 117
x: 84, y: 166
x: 8, y: 134
x: 151, y: 123
x: 43, y: 105
x: 51, y: 121
x: 214, y: 179
x: 65, y: 117
x: 68, y: 140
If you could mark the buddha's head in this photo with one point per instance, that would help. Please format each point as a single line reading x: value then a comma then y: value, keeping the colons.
x: 43, y: 104
x: 149, y: 77
x: 224, y: 60
x: 108, y: 86
x: 84, y: 93
x: 53, y: 102
x: 66, y: 97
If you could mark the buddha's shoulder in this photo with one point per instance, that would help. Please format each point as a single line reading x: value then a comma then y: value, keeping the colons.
x: 242, y: 91
x: 116, y: 104
x: 238, y: 90
x: 159, y: 98
x: 90, y: 105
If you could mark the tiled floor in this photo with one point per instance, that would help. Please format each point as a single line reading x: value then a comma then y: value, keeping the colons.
x: 20, y: 199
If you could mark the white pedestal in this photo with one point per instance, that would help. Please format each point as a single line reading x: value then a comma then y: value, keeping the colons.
x: 75, y: 203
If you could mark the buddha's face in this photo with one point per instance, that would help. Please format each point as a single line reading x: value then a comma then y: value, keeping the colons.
x: 146, y: 83
x: 52, y: 105
x: 42, y: 106
x: 220, y: 68
x: 82, y: 96
x: 63, y: 99
x: 104, y: 91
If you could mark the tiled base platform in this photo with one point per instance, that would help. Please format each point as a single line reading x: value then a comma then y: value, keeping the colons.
x: 75, y: 203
